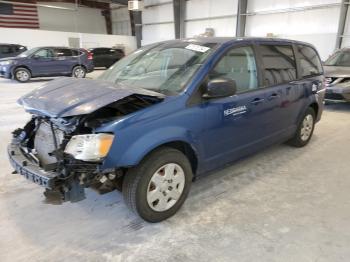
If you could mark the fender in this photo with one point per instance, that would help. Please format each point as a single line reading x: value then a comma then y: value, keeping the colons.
x: 140, y: 147
x: 310, y: 100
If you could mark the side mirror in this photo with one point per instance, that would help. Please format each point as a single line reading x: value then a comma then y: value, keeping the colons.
x: 36, y: 57
x: 220, y: 87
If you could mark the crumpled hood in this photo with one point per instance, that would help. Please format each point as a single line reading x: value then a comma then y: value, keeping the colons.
x: 69, y: 97
x: 336, y: 71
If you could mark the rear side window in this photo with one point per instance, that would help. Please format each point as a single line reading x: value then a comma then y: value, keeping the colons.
x: 63, y: 52
x: 279, y: 64
x: 5, y: 49
x: 76, y: 52
x: 310, y: 63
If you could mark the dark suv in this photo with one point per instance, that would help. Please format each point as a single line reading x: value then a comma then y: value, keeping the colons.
x: 165, y: 114
x: 105, y: 57
x: 9, y: 50
x: 47, y: 61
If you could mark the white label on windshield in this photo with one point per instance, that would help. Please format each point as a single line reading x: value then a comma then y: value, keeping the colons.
x: 197, y: 48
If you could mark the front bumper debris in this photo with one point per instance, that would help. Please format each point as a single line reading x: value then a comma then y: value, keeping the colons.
x: 57, y: 191
x: 31, y: 171
x: 59, y: 187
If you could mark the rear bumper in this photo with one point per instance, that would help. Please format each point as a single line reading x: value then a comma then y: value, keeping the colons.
x: 90, y: 67
x: 31, y: 171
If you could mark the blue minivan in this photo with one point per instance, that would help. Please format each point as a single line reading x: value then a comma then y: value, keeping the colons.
x: 166, y: 114
x: 47, y: 62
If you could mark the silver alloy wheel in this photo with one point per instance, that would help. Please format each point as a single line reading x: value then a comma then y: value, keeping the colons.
x: 306, y: 127
x: 22, y: 75
x: 79, y: 72
x: 165, y: 187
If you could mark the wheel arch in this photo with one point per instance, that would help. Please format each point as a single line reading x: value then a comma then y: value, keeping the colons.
x: 82, y: 65
x: 315, y: 107
x: 21, y: 66
x: 310, y: 104
x: 183, y: 147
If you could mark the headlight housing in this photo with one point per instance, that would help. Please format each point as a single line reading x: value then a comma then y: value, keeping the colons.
x: 92, y: 147
x: 8, y: 62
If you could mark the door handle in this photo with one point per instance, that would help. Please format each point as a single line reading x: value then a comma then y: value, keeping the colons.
x: 274, y: 96
x: 257, y: 101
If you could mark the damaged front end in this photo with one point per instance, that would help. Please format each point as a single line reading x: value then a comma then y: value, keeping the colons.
x: 65, y: 154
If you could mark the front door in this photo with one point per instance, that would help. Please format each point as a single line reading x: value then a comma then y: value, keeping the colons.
x: 43, y: 62
x: 236, y: 125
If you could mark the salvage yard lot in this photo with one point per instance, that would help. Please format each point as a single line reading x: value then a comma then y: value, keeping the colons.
x: 280, y: 204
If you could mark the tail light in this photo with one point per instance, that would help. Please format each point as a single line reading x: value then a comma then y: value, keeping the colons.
x: 89, y: 55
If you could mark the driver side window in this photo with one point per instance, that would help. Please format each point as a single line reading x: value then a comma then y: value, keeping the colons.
x: 238, y: 64
x: 44, y: 53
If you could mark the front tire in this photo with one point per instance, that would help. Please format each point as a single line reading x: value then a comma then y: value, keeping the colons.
x: 79, y: 72
x: 159, y: 185
x: 305, y: 129
x: 22, y: 75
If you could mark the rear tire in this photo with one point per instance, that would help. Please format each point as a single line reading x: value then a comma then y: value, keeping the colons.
x: 159, y: 185
x: 22, y: 75
x: 79, y: 72
x: 305, y: 129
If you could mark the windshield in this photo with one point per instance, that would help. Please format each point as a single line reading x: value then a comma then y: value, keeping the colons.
x: 341, y: 58
x: 165, y: 68
x: 29, y: 52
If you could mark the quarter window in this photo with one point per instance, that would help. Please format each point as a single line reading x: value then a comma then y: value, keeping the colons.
x: 279, y: 64
x: 63, y: 52
x: 239, y: 65
x: 75, y: 52
x: 309, y: 61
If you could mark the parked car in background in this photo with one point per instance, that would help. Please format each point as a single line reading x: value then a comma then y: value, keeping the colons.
x: 9, y: 50
x: 47, y: 61
x: 105, y: 57
x: 337, y: 73
x: 165, y: 114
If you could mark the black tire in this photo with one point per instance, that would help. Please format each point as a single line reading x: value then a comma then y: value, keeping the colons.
x: 137, y: 180
x: 79, y: 72
x: 297, y: 140
x: 22, y: 75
